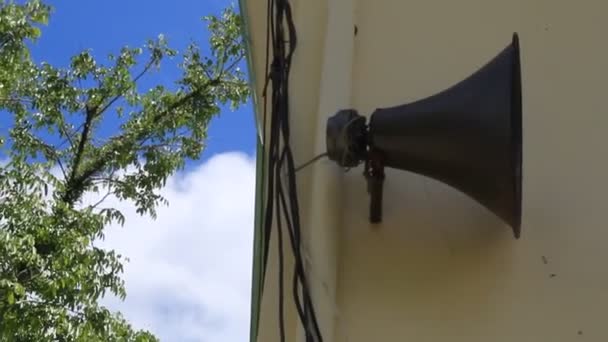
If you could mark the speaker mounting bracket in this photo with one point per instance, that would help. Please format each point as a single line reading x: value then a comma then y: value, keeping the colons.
x: 374, y: 174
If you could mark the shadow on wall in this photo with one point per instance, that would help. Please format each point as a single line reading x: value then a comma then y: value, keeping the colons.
x: 431, y: 244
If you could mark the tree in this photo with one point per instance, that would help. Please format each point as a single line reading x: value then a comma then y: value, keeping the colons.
x: 52, y: 274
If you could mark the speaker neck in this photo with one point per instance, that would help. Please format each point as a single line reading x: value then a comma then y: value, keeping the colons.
x: 347, y: 138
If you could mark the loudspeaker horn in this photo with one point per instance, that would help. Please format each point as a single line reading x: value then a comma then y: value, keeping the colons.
x: 469, y: 136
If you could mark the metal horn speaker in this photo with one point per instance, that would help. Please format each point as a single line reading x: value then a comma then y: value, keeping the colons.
x: 468, y: 136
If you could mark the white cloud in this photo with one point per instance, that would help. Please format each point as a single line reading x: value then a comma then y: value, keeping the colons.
x: 189, y: 274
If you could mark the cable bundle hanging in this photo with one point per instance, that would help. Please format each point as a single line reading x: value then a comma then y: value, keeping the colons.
x: 282, y: 199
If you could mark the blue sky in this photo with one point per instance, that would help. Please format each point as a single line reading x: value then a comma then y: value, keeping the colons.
x: 189, y: 274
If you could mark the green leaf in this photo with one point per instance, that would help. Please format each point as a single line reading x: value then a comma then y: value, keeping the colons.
x: 35, y: 32
x: 41, y: 17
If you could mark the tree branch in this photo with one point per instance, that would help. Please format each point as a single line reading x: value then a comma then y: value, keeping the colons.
x: 109, y: 181
x: 206, y: 71
x: 13, y: 99
x: 233, y: 64
x: 65, y: 175
x: 102, y: 199
x: 75, y: 187
x: 72, y: 182
x: 39, y: 303
x: 220, y: 70
x: 135, y: 79
x: 92, y: 113
x: 50, y: 153
x: 65, y: 132
x: 6, y: 39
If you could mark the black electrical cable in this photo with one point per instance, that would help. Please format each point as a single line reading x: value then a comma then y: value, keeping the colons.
x: 281, y: 266
x: 322, y: 155
x: 281, y: 200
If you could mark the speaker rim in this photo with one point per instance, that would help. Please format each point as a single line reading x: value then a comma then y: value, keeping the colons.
x: 516, y: 134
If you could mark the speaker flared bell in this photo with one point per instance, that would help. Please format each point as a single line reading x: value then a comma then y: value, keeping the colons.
x: 468, y: 136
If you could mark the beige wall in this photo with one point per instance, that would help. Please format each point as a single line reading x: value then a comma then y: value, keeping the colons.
x: 441, y: 267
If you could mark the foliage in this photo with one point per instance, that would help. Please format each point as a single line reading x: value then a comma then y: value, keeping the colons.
x: 52, y: 274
